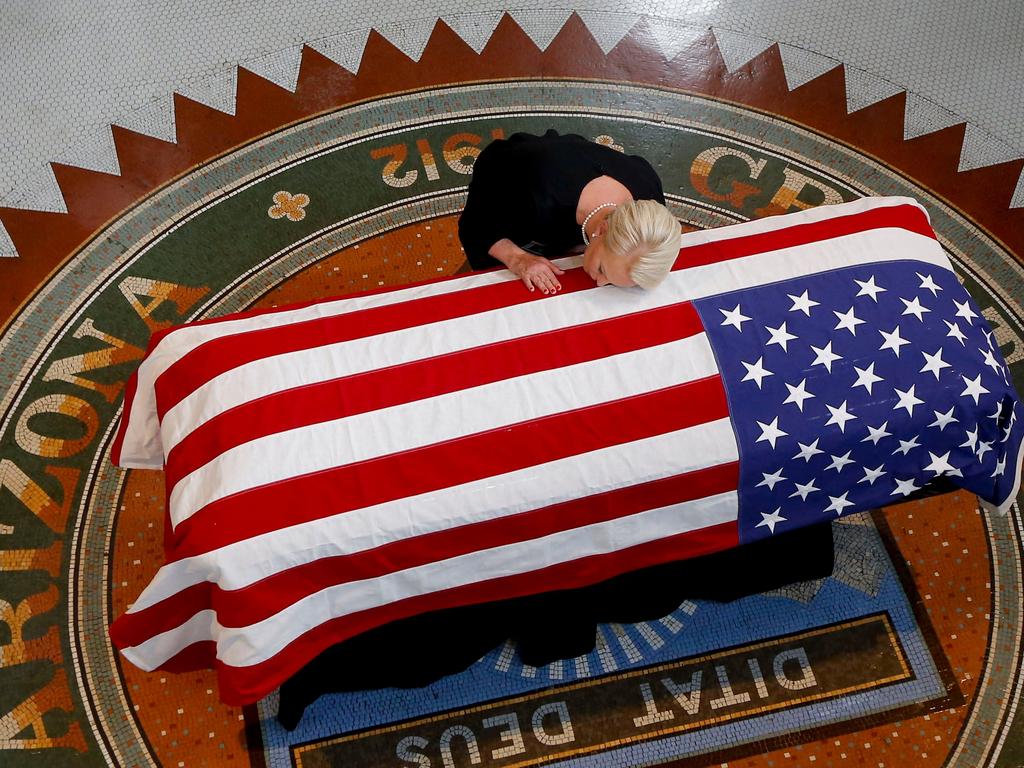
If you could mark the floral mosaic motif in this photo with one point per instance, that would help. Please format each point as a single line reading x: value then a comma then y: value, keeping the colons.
x: 608, y: 141
x: 287, y: 204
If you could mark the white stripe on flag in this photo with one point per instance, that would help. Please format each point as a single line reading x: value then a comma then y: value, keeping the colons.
x: 141, y: 445
x: 159, y: 648
x: 253, y: 644
x: 247, y: 561
x: 871, y: 247
x: 403, y: 427
x: 789, y: 220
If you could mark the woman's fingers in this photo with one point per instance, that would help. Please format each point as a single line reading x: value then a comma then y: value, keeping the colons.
x: 555, y: 285
x: 541, y: 274
x: 548, y: 283
x: 532, y: 281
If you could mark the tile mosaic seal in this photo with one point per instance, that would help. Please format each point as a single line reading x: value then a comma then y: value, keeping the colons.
x: 353, y: 183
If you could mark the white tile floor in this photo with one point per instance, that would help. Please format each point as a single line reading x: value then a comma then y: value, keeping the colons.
x: 70, y: 68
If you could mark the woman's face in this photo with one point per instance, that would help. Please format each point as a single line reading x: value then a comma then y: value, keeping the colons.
x: 603, y: 266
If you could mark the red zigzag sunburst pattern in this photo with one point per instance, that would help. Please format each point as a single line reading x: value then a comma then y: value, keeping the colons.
x: 45, y: 240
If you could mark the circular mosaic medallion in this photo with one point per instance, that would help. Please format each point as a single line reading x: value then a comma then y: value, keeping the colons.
x: 366, y: 197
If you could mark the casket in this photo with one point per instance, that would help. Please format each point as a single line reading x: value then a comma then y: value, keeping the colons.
x: 342, y: 465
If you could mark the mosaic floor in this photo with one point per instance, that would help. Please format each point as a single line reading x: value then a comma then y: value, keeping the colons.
x: 910, y: 654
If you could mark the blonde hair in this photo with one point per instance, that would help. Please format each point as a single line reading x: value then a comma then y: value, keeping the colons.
x: 649, y: 227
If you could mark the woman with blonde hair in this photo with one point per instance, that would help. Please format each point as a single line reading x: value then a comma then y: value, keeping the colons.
x: 534, y: 197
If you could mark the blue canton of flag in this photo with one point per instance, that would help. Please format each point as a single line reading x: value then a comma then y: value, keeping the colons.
x: 853, y: 388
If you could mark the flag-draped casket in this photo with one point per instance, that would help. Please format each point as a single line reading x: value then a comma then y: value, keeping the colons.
x: 337, y: 465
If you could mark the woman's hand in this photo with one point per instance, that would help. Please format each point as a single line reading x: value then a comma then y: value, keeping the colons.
x: 535, y: 271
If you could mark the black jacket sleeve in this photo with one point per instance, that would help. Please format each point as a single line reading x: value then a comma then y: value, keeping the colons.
x: 498, y: 205
x: 479, y: 227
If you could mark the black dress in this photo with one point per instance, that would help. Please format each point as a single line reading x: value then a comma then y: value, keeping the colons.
x: 526, y: 188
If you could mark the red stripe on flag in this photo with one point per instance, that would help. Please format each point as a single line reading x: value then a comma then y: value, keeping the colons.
x: 908, y: 217
x: 131, y: 629
x: 453, y: 462
x: 275, y: 592
x: 201, y: 655
x: 225, y: 353
x: 242, y: 685
x: 421, y: 379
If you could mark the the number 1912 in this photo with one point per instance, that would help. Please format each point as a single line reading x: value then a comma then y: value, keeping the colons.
x: 459, y: 152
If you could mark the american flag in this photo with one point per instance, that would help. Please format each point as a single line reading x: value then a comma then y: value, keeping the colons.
x: 337, y: 465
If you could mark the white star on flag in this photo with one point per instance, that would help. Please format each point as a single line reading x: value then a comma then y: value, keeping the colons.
x: 771, y: 479
x: 839, y: 503
x: 877, y: 433
x: 914, y: 308
x: 825, y: 356
x: 770, y: 432
x: 802, y: 490
x: 990, y: 361
x: 779, y: 336
x: 797, y: 394
x: 869, y: 288
x: 956, y: 333
x: 907, y: 399
x: 756, y: 372
x: 905, y: 487
x: 870, y: 475
x: 802, y: 303
x: 735, y: 318
x: 964, y: 310
x: 848, y: 320
x: 934, y: 363
x: 893, y: 340
x: 974, y: 388
x: 971, y: 441
x: 927, y: 282
x: 1000, y: 468
x: 839, y: 416
x: 838, y: 462
x: 940, y: 465
x: 942, y: 419
x: 771, y: 519
x: 807, y: 451
x: 907, y: 445
x: 983, y: 448
x: 866, y: 377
